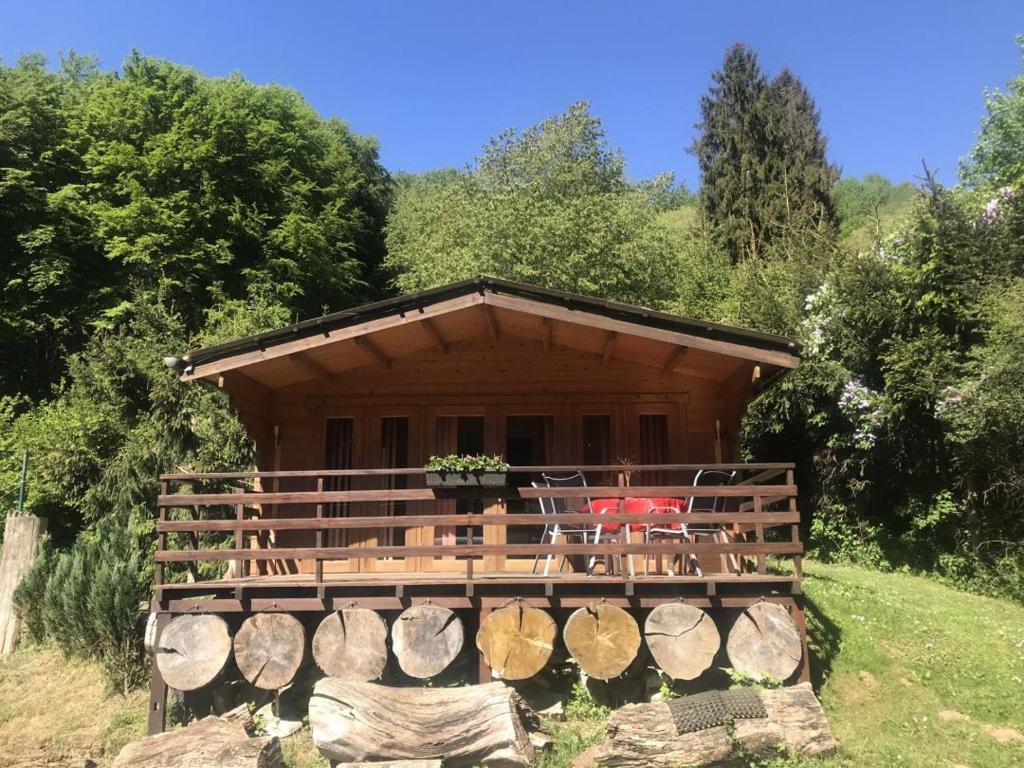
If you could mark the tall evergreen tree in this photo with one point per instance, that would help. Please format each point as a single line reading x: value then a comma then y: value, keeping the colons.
x: 766, y: 179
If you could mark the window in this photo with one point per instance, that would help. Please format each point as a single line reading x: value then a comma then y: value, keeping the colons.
x: 338, y: 455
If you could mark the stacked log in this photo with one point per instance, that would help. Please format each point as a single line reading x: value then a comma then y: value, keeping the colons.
x: 351, y: 644
x: 765, y: 642
x: 516, y: 641
x: 192, y: 650
x: 603, y: 639
x: 356, y: 722
x: 648, y: 735
x: 269, y: 649
x: 683, y: 640
x: 212, y: 742
x: 426, y: 638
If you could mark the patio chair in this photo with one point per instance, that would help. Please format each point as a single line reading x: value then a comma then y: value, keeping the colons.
x: 551, y: 506
x: 691, y: 532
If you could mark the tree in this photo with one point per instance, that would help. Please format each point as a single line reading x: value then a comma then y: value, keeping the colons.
x: 549, y: 206
x: 997, y: 159
x: 766, y: 179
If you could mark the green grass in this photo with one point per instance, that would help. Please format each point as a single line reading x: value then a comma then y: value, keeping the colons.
x: 910, y: 672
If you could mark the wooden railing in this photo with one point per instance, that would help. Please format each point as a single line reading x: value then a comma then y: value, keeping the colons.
x: 200, y: 509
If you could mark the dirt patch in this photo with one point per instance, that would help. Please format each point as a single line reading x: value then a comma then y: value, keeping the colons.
x: 1003, y: 733
x: 869, y: 680
x: 952, y: 716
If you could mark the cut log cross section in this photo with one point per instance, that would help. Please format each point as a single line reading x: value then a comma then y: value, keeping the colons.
x: 604, y: 639
x: 192, y: 650
x: 269, y: 649
x: 426, y: 638
x: 683, y: 640
x: 351, y: 644
x: 765, y: 641
x: 516, y: 640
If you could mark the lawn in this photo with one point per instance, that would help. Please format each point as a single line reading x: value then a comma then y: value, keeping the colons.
x: 911, y: 673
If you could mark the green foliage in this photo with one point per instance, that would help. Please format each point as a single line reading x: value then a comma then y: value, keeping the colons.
x: 740, y: 679
x: 467, y: 463
x: 998, y: 157
x: 766, y: 181
x: 547, y: 206
x: 87, y: 599
x: 869, y: 208
x: 581, y: 705
x: 162, y: 184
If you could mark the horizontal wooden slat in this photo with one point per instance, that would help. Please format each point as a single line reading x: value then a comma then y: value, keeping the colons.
x: 417, y: 521
x: 479, y: 550
x: 420, y: 470
x: 429, y: 494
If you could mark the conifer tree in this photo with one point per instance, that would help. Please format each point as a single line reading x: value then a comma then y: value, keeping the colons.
x: 766, y: 179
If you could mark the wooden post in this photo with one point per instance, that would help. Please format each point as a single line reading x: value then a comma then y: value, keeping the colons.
x: 161, y: 543
x: 318, y: 563
x: 797, y: 612
x: 157, y: 720
x: 21, y: 544
x: 762, y: 560
x: 241, y: 565
x: 798, y: 563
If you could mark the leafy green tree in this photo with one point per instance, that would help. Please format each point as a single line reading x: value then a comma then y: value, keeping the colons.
x: 997, y: 159
x: 548, y: 206
x: 165, y: 186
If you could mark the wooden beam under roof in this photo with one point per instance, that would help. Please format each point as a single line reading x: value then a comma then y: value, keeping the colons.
x: 675, y: 359
x: 312, y: 367
x: 492, y: 322
x: 435, y: 336
x: 364, y: 343
x: 609, y: 346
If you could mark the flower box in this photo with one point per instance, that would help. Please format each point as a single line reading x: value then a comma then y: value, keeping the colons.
x: 482, y: 479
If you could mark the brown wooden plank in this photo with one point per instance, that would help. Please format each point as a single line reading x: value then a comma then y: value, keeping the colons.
x: 414, y: 521
x: 781, y: 466
x: 429, y: 494
x: 480, y: 550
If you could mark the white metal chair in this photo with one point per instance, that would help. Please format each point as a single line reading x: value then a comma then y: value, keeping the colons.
x: 690, y: 532
x: 551, y: 506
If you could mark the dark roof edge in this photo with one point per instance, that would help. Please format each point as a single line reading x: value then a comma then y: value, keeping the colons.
x: 411, y: 301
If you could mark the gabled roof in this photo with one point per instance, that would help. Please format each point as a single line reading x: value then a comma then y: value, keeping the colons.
x: 779, y: 350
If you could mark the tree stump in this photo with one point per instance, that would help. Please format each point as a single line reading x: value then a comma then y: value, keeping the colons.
x: 426, y: 638
x: 208, y: 743
x: 192, y: 650
x: 352, y: 644
x: 473, y: 725
x: 516, y: 640
x: 604, y: 639
x: 683, y: 640
x: 764, y: 641
x: 648, y: 735
x: 269, y: 649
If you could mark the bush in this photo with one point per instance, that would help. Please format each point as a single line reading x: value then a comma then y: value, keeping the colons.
x: 87, y: 600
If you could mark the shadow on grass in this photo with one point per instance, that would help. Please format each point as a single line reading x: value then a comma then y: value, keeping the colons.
x: 824, y: 639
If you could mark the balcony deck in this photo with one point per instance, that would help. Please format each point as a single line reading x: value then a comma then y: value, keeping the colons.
x: 231, y: 517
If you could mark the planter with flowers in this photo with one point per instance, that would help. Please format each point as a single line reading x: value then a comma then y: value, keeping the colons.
x: 466, y: 471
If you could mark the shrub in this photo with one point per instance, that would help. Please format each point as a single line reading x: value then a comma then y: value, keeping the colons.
x: 28, y: 597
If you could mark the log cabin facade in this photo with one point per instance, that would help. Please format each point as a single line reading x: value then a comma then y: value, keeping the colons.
x: 345, y: 409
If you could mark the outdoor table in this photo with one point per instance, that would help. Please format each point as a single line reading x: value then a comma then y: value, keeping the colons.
x: 636, y: 506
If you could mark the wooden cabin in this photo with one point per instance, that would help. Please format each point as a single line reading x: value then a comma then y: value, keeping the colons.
x: 345, y: 410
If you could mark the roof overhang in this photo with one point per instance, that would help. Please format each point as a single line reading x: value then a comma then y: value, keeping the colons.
x: 299, y: 342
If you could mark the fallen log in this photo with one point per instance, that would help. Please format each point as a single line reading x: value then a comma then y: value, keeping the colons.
x: 765, y: 642
x: 426, y: 638
x: 603, y: 639
x: 352, y: 644
x: 269, y: 649
x: 192, y: 650
x: 356, y: 722
x: 682, y: 638
x: 393, y: 764
x: 516, y: 640
x: 657, y: 734
x: 212, y: 742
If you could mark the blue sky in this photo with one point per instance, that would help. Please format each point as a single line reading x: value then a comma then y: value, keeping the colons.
x: 895, y: 81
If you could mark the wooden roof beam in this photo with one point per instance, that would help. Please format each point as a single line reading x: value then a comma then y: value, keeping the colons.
x: 609, y: 346
x: 674, y: 360
x: 435, y: 336
x: 312, y: 367
x: 492, y: 322
x: 371, y: 349
x: 546, y: 333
